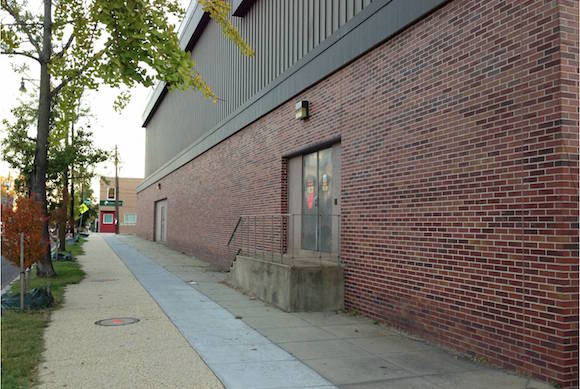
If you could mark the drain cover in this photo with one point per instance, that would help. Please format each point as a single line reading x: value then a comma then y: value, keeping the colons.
x: 117, y: 321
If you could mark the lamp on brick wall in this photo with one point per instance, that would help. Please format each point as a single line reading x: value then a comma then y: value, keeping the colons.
x: 302, y: 110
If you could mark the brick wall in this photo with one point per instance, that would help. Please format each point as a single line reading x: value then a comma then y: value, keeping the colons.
x: 460, y: 181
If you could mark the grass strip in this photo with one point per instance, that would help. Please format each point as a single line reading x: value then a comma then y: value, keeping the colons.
x: 22, y: 332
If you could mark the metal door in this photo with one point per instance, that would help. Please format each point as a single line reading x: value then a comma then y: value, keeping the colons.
x: 107, y: 221
x: 161, y: 221
x: 317, y: 201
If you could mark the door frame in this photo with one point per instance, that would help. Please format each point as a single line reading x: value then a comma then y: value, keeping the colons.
x: 155, y: 220
x: 294, y: 196
x: 106, y: 226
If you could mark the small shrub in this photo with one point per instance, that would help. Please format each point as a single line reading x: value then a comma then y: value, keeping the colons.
x: 26, y: 217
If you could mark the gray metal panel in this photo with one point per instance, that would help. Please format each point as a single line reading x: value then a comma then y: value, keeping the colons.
x: 378, y: 22
x: 233, y: 78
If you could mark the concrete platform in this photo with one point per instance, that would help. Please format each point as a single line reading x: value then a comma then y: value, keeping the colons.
x: 302, y: 285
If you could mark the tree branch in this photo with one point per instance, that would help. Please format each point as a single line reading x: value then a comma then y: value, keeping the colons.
x: 65, y: 47
x: 79, y: 72
x: 25, y: 54
x: 24, y: 25
x: 64, y: 82
x: 57, y: 24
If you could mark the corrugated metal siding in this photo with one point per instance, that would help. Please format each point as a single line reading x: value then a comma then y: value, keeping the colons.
x: 280, y: 31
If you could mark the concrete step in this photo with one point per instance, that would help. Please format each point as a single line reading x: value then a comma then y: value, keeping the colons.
x: 305, y: 285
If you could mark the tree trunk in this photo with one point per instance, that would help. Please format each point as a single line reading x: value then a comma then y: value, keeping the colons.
x: 44, y: 266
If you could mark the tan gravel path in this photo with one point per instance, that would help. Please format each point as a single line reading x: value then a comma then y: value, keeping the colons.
x: 149, y: 354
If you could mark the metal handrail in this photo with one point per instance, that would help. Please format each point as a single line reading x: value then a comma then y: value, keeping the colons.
x: 290, y: 214
x: 273, y: 236
x: 234, y: 231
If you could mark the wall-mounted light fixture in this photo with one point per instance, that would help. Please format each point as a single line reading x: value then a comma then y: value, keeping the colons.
x: 302, y: 110
x: 158, y: 185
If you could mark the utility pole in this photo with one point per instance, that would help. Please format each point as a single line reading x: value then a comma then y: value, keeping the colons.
x: 72, y: 184
x: 22, y: 274
x: 116, y: 191
x: 82, y: 202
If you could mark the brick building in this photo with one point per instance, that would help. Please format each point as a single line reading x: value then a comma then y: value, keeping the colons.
x: 127, y: 204
x: 444, y: 134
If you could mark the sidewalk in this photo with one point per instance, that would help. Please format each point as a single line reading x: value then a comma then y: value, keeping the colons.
x: 249, y: 344
x: 148, y: 354
x: 239, y: 355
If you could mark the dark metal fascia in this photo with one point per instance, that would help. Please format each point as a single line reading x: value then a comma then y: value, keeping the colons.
x: 240, y: 7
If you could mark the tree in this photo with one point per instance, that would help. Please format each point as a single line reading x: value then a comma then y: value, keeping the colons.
x: 18, y: 146
x: 76, y: 154
x: 27, y: 218
x: 18, y: 151
x: 93, y: 42
x: 85, y: 193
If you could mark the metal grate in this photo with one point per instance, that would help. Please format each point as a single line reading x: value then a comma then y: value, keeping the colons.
x: 117, y: 321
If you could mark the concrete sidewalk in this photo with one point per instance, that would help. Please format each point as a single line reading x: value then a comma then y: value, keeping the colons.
x: 239, y: 355
x: 347, y: 351
x: 148, y: 354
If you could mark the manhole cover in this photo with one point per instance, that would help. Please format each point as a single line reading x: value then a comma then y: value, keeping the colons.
x: 117, y: 321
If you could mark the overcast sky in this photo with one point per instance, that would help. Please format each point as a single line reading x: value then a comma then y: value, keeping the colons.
x: 109, y: 127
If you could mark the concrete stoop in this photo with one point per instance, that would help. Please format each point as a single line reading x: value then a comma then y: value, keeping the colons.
x: 304, y: 286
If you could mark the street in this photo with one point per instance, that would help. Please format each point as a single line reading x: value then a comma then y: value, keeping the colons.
x: 9, y: 272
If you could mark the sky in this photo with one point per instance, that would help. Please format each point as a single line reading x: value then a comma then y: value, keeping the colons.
x: 109, y: 127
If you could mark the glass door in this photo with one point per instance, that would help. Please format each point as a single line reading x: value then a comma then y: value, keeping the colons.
x: 310, y: 202
x: 161, y: 221
x: 317, y: 200
x: 325, y: 197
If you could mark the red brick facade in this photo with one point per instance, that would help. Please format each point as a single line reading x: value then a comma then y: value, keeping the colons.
x: 459, y: 181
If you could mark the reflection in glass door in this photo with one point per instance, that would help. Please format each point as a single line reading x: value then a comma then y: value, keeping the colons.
x: 317, y: 201
x: 325, y: 196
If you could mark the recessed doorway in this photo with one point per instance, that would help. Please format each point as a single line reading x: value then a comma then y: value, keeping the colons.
x: 314, y: 200
x: 161, y: 221
x: 107, y: 221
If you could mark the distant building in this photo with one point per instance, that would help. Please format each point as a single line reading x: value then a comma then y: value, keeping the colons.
x: 127, y: 205
x: 7, y: 190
